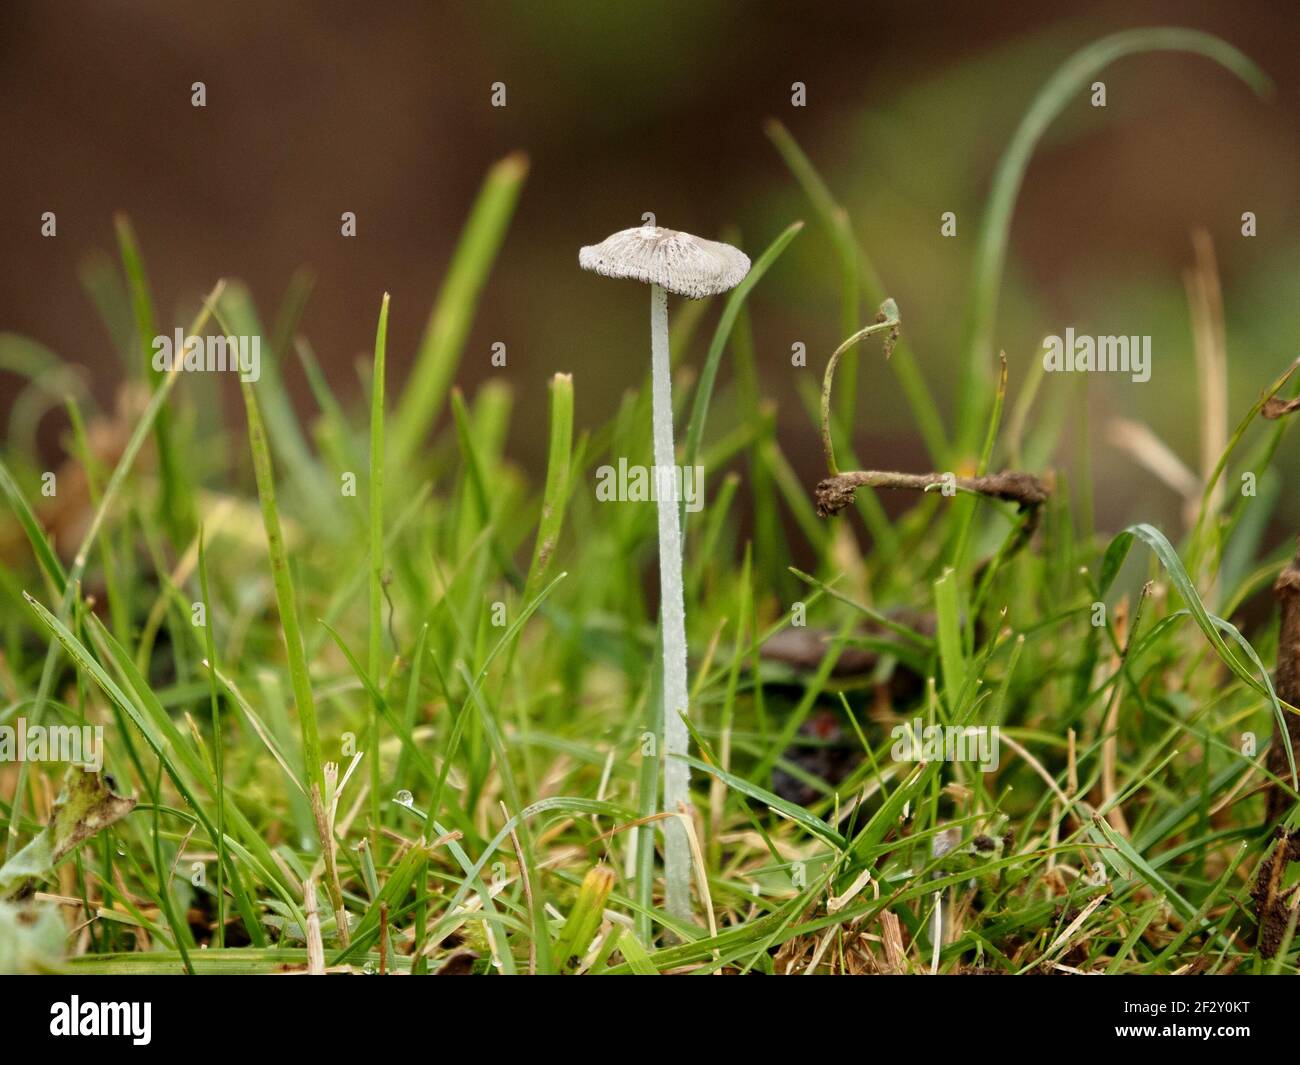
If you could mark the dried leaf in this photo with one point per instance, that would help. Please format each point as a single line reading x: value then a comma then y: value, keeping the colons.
x: 86, y: 805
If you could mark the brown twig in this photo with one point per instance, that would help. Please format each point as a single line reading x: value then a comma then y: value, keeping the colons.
x: 315, y: 947
x: 1286, y: 682
x: 1271, y: 907
x: 887, y: 321
x: 325, y: 827
x: 528, y: 890
x: 836, y: 491
x: 1287, y: 676
x: 1012, y: 486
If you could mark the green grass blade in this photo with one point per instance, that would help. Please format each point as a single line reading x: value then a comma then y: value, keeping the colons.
x: 176, y: 504
x: 49, y: 561
x: 735, y: 302
x: 1064, y: 87
x: 376, y: 551
x: 444, y: 337
x: 285, y: 596
x: 555, y: 495
x: 139, y: 434
x: 218, y: 756
x: 1211, y: 626
x: 856, y: 268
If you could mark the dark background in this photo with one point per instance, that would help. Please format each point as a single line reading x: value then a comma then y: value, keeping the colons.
x: 383, y: 109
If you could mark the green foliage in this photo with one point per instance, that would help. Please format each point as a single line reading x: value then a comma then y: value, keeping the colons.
x: 485, y: 769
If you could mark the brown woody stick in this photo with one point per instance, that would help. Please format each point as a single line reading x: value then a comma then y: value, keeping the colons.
x: 1287, y: 677
x: 836, y: 493
x: 1286, y: 682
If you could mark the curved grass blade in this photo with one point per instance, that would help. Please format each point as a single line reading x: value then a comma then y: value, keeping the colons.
x: 798, y: 814
x: 1208, y: 623
x: 990, y: 257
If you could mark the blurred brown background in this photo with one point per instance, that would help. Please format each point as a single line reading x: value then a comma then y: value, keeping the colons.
x: 383, y: 109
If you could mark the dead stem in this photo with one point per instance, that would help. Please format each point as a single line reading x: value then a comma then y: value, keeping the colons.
x: 1012, y: 486
x: 325, y: 827
x: 836, y: 491
x: 1287, y: 677
x: 1272, y: 909
x: 1287, y: 682
x: 887, y: 321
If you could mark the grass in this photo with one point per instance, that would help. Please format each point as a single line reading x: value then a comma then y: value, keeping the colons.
x: 478, y: 788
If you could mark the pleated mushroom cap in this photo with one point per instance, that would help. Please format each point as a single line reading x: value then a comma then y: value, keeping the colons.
x: 687, y: 265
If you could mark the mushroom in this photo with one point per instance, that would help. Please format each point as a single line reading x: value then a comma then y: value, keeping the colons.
x: 669, y: 261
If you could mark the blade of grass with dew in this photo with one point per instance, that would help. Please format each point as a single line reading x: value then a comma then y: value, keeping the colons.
x: 473, y: 881
x: 1123, y: 859
x: 182, y: 937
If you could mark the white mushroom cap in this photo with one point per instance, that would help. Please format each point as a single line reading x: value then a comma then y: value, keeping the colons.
x: 689, y: 266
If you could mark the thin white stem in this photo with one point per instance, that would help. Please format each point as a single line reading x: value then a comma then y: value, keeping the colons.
x: 672, y: 614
